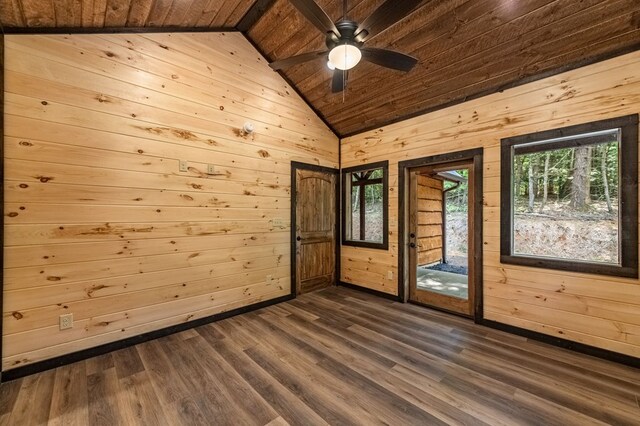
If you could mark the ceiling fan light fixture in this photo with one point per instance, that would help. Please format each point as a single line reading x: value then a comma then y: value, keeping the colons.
x: 345, y: 56
x: 330, y: 65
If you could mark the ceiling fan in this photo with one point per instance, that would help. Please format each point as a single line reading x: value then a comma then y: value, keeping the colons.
x: 345, y: 39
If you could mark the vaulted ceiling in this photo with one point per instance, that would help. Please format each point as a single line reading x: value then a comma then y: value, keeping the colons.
x: 466, y: 48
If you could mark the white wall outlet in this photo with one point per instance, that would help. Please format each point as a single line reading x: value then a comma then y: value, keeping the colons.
x: 66, y: 321
x: 389, y: 275
x: 184, y: 166
x: 211, y: 169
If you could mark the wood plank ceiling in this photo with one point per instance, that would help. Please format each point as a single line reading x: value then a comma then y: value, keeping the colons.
x: 465, y: 48
x: 123, y: 13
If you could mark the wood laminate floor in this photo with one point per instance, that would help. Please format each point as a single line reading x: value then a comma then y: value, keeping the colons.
x: 339, y: 357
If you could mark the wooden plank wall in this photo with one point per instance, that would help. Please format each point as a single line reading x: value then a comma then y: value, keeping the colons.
x: 594, y: 310
x: 100, y: 222
x: 429, y: 236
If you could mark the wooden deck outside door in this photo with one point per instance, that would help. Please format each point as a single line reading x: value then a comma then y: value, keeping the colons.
x: 417, y: 226
x: 315, y: 227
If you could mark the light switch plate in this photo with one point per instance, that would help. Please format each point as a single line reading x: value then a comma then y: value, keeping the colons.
x: 211, y: 169
x: 278, y: 222
x: 184, y: 166
x: 389, y: 275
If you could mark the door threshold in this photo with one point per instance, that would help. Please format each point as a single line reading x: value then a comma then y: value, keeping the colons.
x: 439, y: 309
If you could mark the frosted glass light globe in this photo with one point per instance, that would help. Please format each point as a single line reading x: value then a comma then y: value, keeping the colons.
x: 345, y: 56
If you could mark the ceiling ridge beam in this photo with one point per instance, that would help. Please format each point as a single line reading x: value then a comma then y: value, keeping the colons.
x: 255, y: 12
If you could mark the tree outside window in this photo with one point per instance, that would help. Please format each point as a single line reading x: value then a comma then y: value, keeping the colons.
x: 365, y: 201
x: 564, y: 202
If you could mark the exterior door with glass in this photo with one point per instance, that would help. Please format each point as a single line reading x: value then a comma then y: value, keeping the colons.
x: 441, y: 237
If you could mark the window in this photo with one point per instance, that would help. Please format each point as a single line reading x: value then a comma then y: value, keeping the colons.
x: 569, y: 198
x: 364, y: 217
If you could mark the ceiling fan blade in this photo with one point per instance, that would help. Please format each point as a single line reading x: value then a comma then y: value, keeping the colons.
x: 389, y: 58
x: 390, y: 12
x: 316, y: 16
x: 298, y: 59
x: 339, y: 81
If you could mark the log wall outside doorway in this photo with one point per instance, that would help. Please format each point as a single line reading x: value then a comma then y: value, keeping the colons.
x: 430, y: 236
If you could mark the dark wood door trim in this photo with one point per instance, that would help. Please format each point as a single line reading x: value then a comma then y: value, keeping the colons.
x: 1, y: 188
x: 295, y: 166
x: 463, y: 307
x: 473, y: 155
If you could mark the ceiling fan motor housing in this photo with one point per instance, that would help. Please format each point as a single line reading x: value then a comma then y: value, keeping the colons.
x: 345, y: 39
x: 347, y: 35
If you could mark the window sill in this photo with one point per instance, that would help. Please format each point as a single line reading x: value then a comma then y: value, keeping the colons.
x: 366, y: 244
x: 570, y: 265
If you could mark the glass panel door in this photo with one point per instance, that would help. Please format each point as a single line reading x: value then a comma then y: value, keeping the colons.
x: 441, y: 234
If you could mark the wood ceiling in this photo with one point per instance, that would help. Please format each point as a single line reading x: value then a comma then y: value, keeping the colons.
x: 123, y: 13
x: 465, y: 48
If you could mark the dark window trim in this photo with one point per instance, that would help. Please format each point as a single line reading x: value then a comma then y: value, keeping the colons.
x: 628, y: 152
x: 384, y: 165
x: 534, y: 147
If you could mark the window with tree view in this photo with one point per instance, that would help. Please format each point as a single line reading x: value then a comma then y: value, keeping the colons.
x: 566, y: 194
x: 365, y: 205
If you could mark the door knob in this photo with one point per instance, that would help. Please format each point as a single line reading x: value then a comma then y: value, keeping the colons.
x: 298, y: 238
x: 412, y: 245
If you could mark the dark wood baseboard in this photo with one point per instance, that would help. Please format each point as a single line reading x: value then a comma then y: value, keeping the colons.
x: 534, y: 335
x: 370, y: 291
x: 564, y: 343
x: 59, y: 361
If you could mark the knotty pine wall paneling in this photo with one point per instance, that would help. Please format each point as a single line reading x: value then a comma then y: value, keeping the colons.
x: 99, y: 220
x: 595, y: 310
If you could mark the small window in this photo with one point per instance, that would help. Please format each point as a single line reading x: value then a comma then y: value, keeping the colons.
x: 570, y: 198
x: 364, y: 218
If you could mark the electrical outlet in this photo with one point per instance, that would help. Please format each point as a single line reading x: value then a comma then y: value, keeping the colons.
x: 278, y: 222
x: 269, y: 279
x: 211, y: 169
x: 66, y: 321
x: 389, y: 275
x: 184, y: 166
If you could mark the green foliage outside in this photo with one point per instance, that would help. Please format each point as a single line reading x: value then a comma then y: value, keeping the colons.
x: 372, y: 193
x: 562, y: 170
x: 457, y: 198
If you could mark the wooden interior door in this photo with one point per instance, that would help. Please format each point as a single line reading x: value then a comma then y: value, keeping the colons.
x: 429, y: 227
x: 315, y: 228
